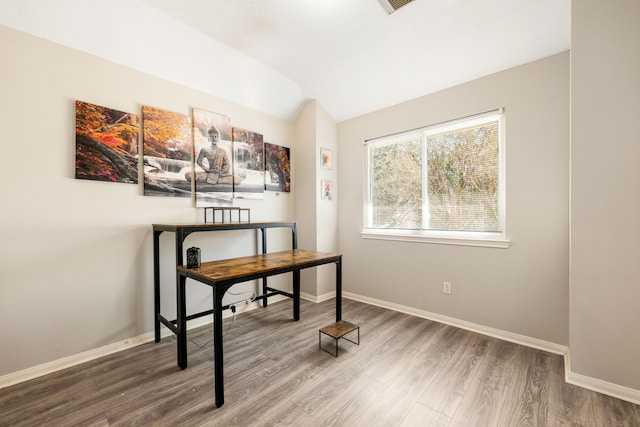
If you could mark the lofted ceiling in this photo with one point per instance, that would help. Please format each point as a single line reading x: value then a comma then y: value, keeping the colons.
x: 354, y: 58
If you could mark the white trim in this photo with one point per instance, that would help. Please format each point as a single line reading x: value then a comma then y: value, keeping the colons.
x: 308, y: 297
x: 319, y: 298
x: 416, y: 238
x: 75, y: 359
x: 594, y: 384
x: 96, y: 353
x: 427, y: 234
x: 463, y: 324
x: 600, y: 386
x: 454, y: 123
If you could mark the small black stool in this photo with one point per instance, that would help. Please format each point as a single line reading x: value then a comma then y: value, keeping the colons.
x: 336, y: 331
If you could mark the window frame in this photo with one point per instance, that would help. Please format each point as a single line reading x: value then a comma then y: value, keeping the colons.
x: 493, y: 239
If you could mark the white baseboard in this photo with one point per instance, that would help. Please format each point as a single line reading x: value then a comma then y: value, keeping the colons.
x: 318, y: 298
x: 600, y: 386
x: 594, y: 384
x: 86, y: 356
x: 463, y: 324
x: 75, y: 359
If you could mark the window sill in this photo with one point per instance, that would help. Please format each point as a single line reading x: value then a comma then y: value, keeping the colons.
x: 448, y: 239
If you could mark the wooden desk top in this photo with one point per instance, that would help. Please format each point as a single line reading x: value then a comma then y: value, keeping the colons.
x: 236, y: 270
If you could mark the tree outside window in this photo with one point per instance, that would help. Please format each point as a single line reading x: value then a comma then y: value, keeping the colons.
x: 443, y: 178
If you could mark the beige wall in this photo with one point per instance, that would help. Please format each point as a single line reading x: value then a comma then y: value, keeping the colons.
x: 306, y: 202
x: 327, y: 229
x: 76, y: 255
x: 317, y: 218
x: 523, y: 289
x: 605, y: 195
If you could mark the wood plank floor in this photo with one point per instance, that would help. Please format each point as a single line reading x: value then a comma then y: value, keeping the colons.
x: 407, y: 371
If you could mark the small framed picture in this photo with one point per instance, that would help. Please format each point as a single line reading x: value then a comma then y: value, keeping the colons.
x: 325, y: 158
x: 327, y: 189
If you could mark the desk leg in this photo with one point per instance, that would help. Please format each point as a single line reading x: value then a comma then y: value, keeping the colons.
x: 296, y: 295
x: 182, y: 322
x: 338, y: 290
x: 264, y: 279
x: 264, y: 291
x: 181, y: 300
x: 218, y: 353
x: 156, y: 283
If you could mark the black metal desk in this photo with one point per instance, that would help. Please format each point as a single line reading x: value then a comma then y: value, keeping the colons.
x: 178, y: 326
x: 221, y: 275
x: 181, y: 231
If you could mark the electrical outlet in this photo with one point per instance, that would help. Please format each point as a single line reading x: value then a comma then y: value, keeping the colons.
x: 446, y: 288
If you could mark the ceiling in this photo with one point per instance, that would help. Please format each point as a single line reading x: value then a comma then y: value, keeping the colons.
x: 354, y: 58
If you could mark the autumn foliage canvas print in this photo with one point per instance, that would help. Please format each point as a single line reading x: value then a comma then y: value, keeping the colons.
x: 277, y: 168
x: 167, y: 153
x: 106, y: 144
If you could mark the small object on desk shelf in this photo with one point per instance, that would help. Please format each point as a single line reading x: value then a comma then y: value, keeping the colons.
x: 193, y: 257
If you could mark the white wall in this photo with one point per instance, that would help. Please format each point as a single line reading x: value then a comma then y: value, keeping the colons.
x: 76, y: 255
x: 327, y: 228
x: 317, y: 218
x: 523, y: 289
x: 132, y: 33
x: 306, y: 201
x: 605, y: 195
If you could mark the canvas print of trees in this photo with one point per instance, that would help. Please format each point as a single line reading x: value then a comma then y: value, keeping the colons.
x: 201, y: 155
x: 277, y: 168
x: 167, y: 151
x: 248, y: 164
x: 106, y: 144
x: 213, y: 170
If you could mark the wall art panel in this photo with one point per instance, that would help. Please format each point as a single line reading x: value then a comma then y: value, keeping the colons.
x: 167, y: 153
x: 248, y: 164
x: 277, y: 168
x: 213, y: 170
x: 106, y: 144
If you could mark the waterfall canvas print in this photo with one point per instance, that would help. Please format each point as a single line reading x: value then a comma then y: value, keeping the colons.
x: 213, y: 169
x: 277, y: 175
x: 248, y: 164
x: 167, y: 151
x: 106, y: 144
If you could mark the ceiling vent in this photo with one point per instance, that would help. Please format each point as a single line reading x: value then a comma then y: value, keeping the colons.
x: 391, y: 6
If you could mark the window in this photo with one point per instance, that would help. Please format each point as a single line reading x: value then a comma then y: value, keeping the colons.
x: 444, y: 181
